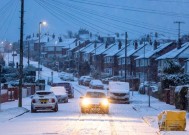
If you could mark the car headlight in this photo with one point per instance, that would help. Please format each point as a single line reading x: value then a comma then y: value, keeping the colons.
x: 105, y: 102
x: 85, y: 102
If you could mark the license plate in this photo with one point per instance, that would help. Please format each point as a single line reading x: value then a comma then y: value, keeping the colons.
x: 43, y: 100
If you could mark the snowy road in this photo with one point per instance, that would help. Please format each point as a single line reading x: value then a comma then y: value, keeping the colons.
x: 122, y: 120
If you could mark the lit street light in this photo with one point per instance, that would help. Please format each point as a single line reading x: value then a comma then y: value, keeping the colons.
x: 40, y: 24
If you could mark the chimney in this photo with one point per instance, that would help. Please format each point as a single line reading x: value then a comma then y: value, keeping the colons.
x: 48, y: 39
x: 136, y: 44
x: 95, y: 44
x: 59, y: 39
x: 76, y: 42
x: 155, y: 45
x: 119, y: 45
x: 53, y: 36
x: 106, y: 45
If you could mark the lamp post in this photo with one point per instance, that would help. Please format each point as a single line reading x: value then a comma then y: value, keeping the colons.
x: 39, y: 45
x: 126, y: 36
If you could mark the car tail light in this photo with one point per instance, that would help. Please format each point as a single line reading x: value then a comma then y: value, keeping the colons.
x: 33, y: 101
x: 53, y: 100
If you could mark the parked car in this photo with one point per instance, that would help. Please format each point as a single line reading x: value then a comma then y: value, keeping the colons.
x: 44, y: 100
x: 96, y: 84
x: 60, y: 93
x: 94, y: 100
x: 81, y: 79
x: 119, y: 92
x: 143, y: 87
x: 87, y: 80
x: 68, y: 86
x: 67, y: 77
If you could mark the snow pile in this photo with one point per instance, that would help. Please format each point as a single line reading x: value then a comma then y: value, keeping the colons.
x: 12, y: 113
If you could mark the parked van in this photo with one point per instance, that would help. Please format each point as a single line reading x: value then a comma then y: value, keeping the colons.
x: 119, y: 92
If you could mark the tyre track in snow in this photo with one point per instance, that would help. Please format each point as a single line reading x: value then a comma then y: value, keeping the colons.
x: 103, y: 118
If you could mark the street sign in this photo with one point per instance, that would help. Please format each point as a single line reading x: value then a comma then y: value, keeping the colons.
x: 14, y: 54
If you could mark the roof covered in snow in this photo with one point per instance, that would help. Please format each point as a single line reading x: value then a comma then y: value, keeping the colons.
x: 101, y: 48
x: 145, y: 47
x: 66, y: 43
x: 152, y: 52
x: 177, y: 53
x: 113, y: 49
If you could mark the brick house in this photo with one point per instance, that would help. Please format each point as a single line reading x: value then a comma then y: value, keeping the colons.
x: 147, y: 64
x: 110, y: 58
x: 133, y: 51
x: 179, y: 54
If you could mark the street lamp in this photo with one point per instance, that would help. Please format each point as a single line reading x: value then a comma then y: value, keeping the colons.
x: 40, y: 24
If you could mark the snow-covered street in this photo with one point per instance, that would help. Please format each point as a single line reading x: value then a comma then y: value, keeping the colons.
x: 135, y: 118
x: 123, y: 119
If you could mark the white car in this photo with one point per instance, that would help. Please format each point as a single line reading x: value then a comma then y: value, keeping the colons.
x: 44, y: 100
x: 67, y: 77
x: 96, y: 84
x: 94, y: 100
x: 60, y: 93
x: 119, y: 92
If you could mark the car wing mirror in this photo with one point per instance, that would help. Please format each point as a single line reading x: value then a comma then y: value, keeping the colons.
x: 81, y: 97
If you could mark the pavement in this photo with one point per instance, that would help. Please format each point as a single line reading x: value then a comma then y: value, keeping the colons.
x: 12, y: 113
x: 149, y: 114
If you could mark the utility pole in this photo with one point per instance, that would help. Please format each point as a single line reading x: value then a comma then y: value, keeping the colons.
x: 28, y: 53
x: 1, y: 68
x: 21, y: 53
x: 179, y: 23
x: 126, y: 36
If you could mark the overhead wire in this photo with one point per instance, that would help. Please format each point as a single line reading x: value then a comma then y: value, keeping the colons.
x: 11, y: 18
x: 6, y: 17
x: 55, y: 14
x: 77, y: 18
x: 112, y: 18
x: 85, y: 15
x: 128, y: 8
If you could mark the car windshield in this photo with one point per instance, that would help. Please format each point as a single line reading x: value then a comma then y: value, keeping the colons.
x: 44, y: 93
x: 95, y: 95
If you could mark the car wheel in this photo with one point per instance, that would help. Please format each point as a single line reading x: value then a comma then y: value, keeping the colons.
x: 82, y: 110
x: 106, y: 111
x: 66, y: 101
x: 32, y: 110
x: 56, y: 108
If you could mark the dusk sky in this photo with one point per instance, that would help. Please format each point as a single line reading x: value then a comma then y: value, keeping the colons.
x: 137, y: 17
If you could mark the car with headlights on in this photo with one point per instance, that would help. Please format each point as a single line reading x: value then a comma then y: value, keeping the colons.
x: 60, y: 93
x: 94, y: 100
x: 44, y: 100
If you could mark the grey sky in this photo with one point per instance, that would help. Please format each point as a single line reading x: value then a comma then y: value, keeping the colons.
x: 98, y: 16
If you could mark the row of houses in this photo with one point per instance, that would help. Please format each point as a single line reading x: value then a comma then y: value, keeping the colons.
x: 144, y: 60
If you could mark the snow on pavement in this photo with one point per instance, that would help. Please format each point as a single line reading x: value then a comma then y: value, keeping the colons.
x: 124, y: 119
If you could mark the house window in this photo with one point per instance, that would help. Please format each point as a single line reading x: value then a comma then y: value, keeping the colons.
x: 119, y: 61
x: 108, y: 60
x: 144, y: 62
x: 137, y: 63
x: 123, y: 61
x: 108, y: 70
